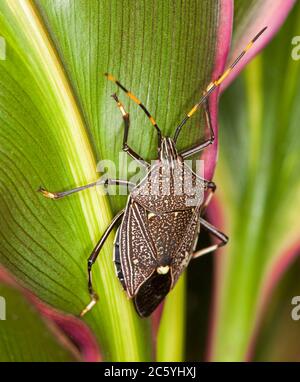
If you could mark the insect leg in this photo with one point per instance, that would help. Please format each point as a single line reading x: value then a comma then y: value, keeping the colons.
x: 214, y: 84
x: 93, y: 258
x: 211, y: 190
x: 138, y: 102
x: 221, y: 236
x: 195, y: 149
x: 105, y: 182
x: 126, y: 148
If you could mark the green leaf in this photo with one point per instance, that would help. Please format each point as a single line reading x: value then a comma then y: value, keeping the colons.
x: 25, y: 336
x: 258, y: 186
x: 58, y: 120
x: 171, y: 335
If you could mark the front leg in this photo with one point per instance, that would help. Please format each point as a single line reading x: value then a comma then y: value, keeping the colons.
x: 105, y: 182
x: 126, y: 147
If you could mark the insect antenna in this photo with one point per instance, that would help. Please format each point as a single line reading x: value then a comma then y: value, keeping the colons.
x: 214, y: 84
x: 138, y: 102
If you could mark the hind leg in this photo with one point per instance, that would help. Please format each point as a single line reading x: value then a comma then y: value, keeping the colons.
x: 93, y: 258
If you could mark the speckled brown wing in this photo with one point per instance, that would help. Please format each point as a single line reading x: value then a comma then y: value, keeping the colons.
x: 167, y: 231
x: 148, y: 240
x: 137, y: 251
x: 171, y: 234
x: 186, y: 247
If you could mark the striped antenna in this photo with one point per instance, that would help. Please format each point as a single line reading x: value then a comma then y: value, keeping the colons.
x: 214, y: 84
x: 137, y: 101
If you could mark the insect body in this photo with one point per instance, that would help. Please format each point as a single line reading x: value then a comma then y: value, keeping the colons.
x: 159, y: 230
x: 161, y: 222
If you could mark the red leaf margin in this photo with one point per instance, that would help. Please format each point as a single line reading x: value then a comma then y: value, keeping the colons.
x: 68, y: 329
x: 272, y: 14
x: 210, y: 155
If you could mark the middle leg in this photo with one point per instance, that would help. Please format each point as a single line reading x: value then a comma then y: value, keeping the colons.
x: 220, y: 235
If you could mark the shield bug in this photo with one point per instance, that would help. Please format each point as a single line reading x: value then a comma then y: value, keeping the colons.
x: 158, y: 232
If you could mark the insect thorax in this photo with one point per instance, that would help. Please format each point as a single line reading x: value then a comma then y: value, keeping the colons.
x: 169, y: 186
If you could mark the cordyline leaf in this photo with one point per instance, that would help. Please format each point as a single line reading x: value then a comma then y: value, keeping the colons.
x: 44, y: 142
x: 259, y: 124
x: 57, y: 120
x: 24, y: 334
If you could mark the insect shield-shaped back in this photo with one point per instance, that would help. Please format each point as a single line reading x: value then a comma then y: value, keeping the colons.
x: 158, y: 232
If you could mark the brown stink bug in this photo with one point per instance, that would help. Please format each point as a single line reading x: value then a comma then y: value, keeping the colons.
x: 159, y: 229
